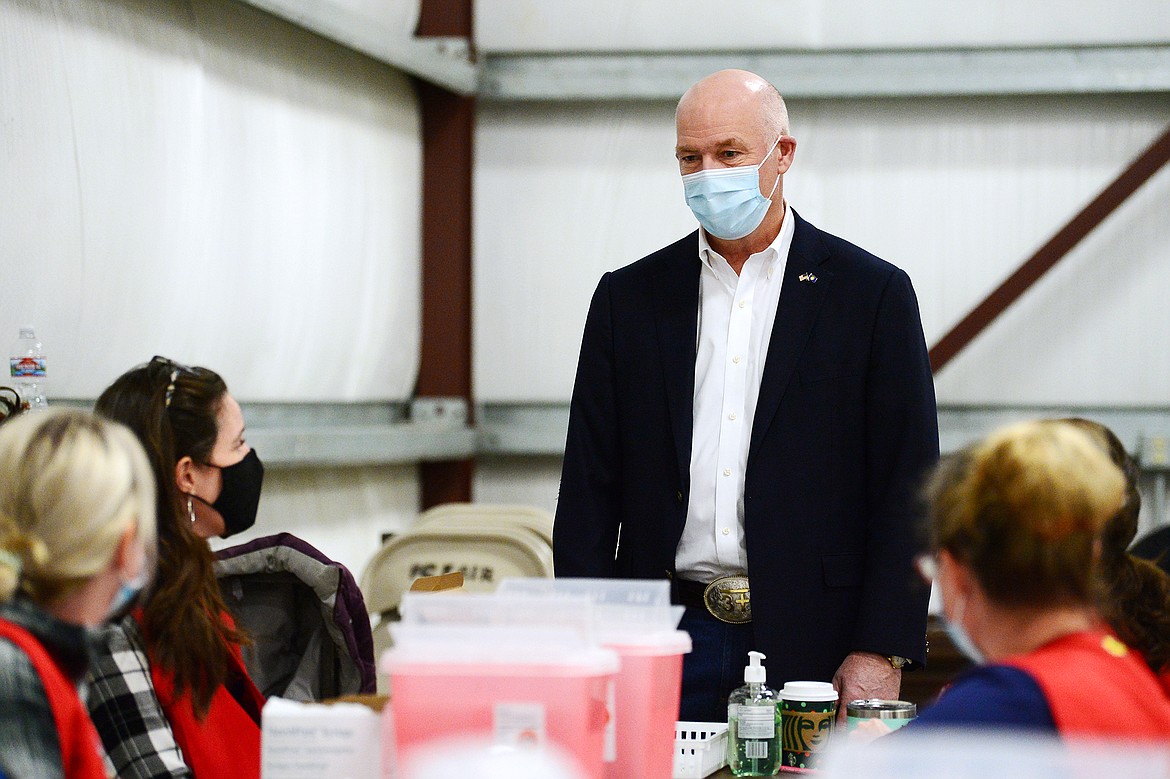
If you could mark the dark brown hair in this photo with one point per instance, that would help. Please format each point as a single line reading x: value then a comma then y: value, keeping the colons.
x: 1135, y: 593
x: 173, y: 410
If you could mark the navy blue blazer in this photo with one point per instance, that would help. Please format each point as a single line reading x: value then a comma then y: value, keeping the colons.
x: 845, y: 429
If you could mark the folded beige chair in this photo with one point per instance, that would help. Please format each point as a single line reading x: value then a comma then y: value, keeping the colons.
x: 486, y: 543
x: 535, y: 519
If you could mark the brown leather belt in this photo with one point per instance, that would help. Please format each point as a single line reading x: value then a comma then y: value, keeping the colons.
x: 727, y: 598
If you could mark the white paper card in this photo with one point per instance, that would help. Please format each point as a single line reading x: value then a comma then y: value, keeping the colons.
x: 310, y: 740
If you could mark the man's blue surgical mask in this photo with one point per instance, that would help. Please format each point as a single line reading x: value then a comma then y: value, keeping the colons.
x: 728, y: 201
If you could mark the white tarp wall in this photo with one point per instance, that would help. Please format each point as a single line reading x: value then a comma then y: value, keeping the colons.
x: 200, y: 180
x: 957, y: 192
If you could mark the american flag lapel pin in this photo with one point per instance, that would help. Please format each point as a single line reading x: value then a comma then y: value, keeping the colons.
x: 808, y: 277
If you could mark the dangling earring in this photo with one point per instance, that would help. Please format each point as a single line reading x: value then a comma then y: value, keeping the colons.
x: 190, y: 510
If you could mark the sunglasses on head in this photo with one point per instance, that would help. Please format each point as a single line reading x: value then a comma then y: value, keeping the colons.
x: 175, y: 369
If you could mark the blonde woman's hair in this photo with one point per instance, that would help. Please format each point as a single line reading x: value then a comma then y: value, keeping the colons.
x: 70, y: 485
x: 1023, y: 509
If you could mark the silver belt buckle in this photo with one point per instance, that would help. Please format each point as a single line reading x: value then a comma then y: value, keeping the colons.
x: 729, y: 599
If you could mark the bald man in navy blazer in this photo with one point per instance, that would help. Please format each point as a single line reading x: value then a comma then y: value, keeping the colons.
x: 752, y: 418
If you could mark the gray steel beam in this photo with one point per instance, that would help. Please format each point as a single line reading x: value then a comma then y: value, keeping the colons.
x: 499, y: 76
x: 329, y: 434
x: 522, y: 428
x: 399, y: 444
x: 445, y: 62
x: 539, y: 428
x: 426, y: 429
x: 351, y: 434
x: 832, y: 74
x: 1145, y: 432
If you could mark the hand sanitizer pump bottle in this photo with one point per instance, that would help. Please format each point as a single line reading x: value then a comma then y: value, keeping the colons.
x: 753, y: 739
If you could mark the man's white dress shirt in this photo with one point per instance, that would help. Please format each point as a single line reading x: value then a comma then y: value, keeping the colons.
x: 736, y: 313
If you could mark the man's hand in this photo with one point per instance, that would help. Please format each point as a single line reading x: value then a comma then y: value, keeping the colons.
x: 865, y: 675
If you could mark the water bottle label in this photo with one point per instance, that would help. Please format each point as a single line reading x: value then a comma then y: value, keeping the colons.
x: 757, y: 721
x: 27, y: 367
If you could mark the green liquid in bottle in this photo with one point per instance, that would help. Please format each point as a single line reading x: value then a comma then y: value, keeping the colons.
x: 753, y: 742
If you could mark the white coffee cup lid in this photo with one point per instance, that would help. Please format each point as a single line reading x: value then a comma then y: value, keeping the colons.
x: 808, y: 691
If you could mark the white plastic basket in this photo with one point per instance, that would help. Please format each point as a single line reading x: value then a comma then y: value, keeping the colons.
x: 700, y: 749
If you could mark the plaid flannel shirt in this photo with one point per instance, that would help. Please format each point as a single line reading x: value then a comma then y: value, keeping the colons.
x: 122, y: 702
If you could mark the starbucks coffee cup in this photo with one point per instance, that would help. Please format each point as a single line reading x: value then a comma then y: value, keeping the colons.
x: 807, y: 712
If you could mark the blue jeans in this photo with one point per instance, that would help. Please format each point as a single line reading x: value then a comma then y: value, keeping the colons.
x: 714, y: 667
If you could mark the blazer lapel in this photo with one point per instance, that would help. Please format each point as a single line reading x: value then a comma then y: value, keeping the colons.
x: 803, y: 290
x: 676, y: 295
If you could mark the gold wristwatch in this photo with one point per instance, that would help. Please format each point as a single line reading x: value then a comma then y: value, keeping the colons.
x: 897, y: 663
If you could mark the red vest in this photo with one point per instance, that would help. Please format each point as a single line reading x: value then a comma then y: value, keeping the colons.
x: 225, y: 743
x: 80, y: 745
x: 1096, y: 686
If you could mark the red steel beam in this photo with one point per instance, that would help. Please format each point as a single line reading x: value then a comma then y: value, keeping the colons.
x: 1139, y: 171
x: 448, y: 123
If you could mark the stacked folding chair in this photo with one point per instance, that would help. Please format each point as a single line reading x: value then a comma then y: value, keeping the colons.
x: 486, y: 542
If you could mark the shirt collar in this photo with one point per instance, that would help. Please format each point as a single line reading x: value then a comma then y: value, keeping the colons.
x: 717, y: 265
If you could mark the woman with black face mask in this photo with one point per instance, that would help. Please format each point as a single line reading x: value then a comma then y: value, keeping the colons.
x: 169, y: 692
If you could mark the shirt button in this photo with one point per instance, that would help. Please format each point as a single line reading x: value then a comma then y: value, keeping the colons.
x: 726, y: 471
x: 742, y: 303
x: 731, y: 416
x: 726, y: 531
x: 735, y: 359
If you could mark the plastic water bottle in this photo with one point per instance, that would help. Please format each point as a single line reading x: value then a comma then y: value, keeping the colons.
x: 26, y: 363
